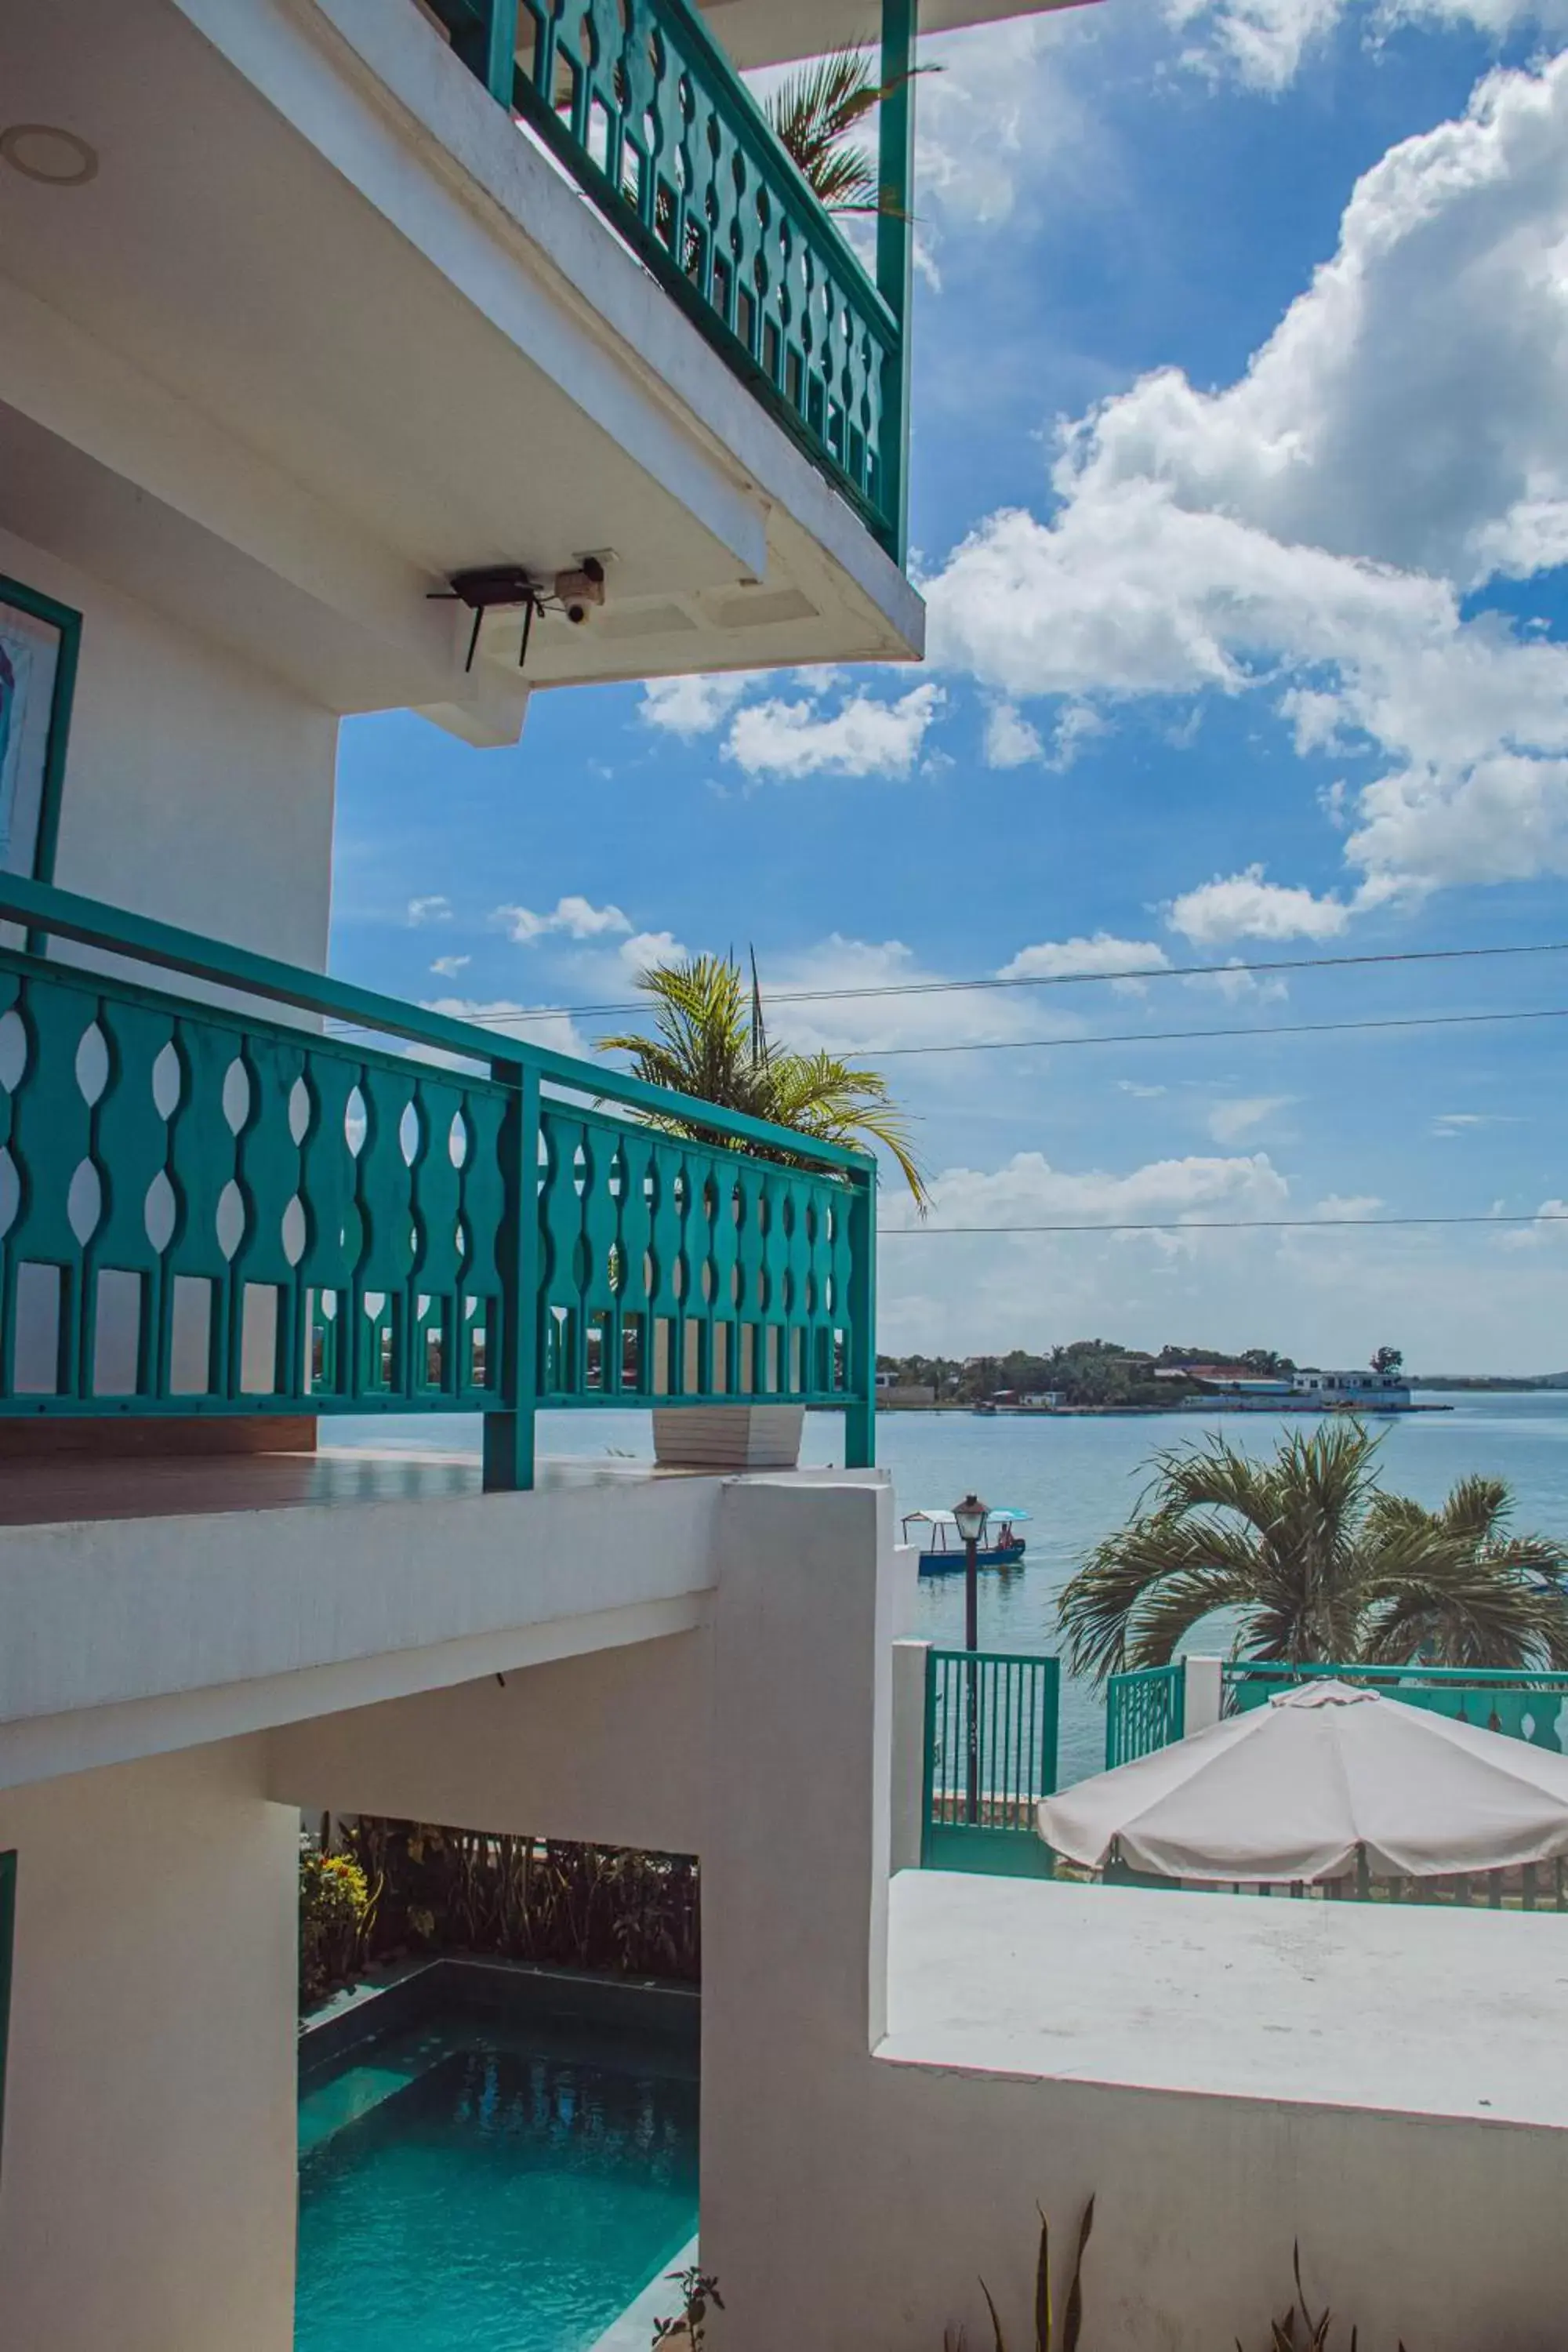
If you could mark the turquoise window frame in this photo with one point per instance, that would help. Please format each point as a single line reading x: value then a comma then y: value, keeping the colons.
x: 8, y: 1940
x: 67, y: 621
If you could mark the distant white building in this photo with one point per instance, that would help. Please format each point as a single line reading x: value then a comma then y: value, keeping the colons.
x: 1382, y: 1391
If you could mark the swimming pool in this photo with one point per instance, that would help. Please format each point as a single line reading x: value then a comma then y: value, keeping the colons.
x: 476, y: 2184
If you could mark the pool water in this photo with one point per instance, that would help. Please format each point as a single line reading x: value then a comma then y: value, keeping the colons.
x: 463, y: 2189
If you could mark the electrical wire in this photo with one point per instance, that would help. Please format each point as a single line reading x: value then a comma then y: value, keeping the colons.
x: 1172, y: 1037
x: 1184, y: 1036
x: 1227, y: 1225
x: 1048, y: 980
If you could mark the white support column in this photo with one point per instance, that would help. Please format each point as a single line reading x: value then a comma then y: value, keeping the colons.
x: 794, y: 1864
x: 1204, y: 1694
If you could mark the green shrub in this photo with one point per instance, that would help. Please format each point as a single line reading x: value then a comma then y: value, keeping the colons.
x: 334, y: 1912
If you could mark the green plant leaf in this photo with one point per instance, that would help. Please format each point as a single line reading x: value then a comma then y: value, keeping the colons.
x: 1001, y: 2340
x: 1073, y: 2323
x: 1042, y: 2286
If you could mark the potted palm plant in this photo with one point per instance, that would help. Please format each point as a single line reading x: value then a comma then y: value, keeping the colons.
x: 708, y: 1041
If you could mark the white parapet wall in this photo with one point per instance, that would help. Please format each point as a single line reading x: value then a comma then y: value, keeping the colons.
x: 887, y: 2096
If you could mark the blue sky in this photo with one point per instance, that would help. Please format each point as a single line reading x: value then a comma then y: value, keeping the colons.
x: 1241, y: 499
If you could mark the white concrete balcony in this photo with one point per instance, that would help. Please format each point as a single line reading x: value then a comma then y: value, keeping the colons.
x: 296, y: 322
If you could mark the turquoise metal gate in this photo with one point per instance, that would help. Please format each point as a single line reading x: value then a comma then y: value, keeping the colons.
x: 991, y: 1755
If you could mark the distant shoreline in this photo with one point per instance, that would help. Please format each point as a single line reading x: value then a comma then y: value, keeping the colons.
x: 1178, y: 1411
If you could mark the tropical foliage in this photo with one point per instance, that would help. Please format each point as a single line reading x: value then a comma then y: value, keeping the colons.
x: 708, y: 1041
x: 813, y: 114
x: 334, y: 1911
x: 524, y: 1898
x: 1318, y: 1563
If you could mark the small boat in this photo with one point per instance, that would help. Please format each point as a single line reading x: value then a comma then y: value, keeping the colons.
x: 934, y: 1534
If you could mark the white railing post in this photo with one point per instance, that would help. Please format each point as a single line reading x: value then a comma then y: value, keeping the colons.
x: 1203, y: 1694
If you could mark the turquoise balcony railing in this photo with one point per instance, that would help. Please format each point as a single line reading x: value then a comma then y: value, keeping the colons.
x: 209, y: 1212
x: 1143, y: 1710
x: 639, y: 104
x: 1532, y: 1707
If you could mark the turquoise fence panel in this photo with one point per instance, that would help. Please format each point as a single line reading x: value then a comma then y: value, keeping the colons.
x: 207, y: 1212
x: 644, y: 109
x: 991, y: 1732
x: 1527, y: 1705
x: 1143, y: 1710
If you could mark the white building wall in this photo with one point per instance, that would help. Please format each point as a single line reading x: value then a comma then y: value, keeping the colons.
x: 851, y: 2200
x: 147, y: 2176
x: 199, y: 789
x: 610, y: 1747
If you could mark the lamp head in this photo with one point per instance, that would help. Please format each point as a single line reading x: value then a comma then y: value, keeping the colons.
x: 970, y: 1517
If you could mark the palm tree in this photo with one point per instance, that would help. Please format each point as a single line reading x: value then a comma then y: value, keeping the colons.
x: 708, y: 1041
x: 1321, y: 1565
x: 812, y: 114
x: 1467, y: 1618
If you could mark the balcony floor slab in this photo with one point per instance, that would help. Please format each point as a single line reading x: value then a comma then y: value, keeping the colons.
x: 75, y: 1489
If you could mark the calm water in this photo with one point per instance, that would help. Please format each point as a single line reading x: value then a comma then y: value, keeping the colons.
x: 1080, y: 1478
x: 488, y: 2194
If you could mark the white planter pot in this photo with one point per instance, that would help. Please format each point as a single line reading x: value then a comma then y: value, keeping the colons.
x: 728, y: 1436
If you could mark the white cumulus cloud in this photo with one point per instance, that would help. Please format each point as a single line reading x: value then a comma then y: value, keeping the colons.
x: 689, y: 707
x: 1086, y: 959
x: 1311, y: 532
x: 1247, y: 907
x: 575, y: 917
x: 1010, y: 741
x: 538, y: 1025
x: 864, y: 737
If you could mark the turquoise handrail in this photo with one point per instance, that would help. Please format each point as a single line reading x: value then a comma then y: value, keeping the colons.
x: 204, y: 1211
x: 642, y: 107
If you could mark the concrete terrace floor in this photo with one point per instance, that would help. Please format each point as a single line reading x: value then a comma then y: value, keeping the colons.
x: 1401, y: 2008
x: 76, y: 1488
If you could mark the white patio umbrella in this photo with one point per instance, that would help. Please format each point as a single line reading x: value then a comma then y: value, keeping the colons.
x: 1293, y: 1790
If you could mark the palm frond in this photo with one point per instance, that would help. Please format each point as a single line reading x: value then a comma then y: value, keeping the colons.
x: 708, y: 1042
x: 813, y: 112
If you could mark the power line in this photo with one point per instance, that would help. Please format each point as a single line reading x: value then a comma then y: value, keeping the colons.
x: 1225, y: 1225
x: 1170, y: 1036
x: 1045, y: 980
x: 1180, y: 1036
x: 1158, y: 972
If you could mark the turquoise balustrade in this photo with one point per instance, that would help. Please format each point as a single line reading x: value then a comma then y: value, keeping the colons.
x: 990, y: 1729
x: 1143, y: 1710
x: 639, y: 103
x: 207, y: 1211
x: 1531, y: 1707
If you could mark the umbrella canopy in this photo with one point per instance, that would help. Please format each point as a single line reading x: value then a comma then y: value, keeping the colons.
x: 1291, y: 1790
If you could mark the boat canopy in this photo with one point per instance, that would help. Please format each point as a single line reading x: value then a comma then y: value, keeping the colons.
x: 946, y: 1519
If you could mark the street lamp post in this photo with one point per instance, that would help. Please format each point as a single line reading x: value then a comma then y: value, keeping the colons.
x: 970, y: 1518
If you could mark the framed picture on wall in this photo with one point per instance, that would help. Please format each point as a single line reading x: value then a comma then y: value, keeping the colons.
x: 39, y: 645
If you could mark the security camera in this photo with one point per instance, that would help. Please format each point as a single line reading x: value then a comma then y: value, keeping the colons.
x: 579, y: 589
